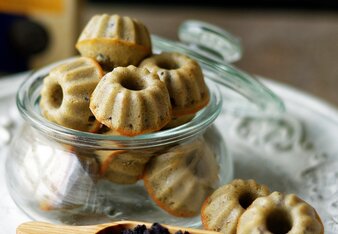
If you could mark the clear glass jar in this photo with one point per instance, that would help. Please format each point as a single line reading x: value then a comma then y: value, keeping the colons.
x: 62, y: 175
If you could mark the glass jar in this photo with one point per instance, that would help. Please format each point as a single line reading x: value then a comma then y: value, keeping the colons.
x: 62, y: 175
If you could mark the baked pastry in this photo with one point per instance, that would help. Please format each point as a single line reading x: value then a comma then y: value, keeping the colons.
x: 280, y: 213
x: 123, y: 166
x: 179, y: 120
x: 131, y: 101
x: 184, y: 80
x: 179, y: 180
x: 114, y: 41
x: 222, y: 210
x: 66, y: 94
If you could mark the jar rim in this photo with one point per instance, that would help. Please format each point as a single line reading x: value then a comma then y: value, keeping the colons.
x: 28, y: 97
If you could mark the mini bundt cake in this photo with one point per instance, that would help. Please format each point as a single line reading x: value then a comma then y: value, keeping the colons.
x: 179, y: 180
x: 122, y: 166
x: 178, y: 121
x: 222, y: 210
x: 280, y: 213
x: 184, y: 80
x: 114, y: 41
x: 131, y: 101
x: 66, y: 94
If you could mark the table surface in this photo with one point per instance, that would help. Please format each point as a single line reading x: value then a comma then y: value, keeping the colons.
x: 298, y: 48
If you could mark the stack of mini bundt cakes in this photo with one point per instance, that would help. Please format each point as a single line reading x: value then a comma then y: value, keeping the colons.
x: 121, y: 85
x: 118, y: 87
x: 245, y: 207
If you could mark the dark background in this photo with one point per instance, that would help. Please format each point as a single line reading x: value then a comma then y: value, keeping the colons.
x: 327, y: 5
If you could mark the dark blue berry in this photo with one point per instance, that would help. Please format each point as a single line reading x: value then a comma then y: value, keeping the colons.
x: 140, y: 229
x: 157, y: 228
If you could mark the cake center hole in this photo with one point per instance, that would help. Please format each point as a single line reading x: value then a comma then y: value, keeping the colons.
x: 246, y: 199
x: 279, y: 222
x: 56, y: 95
x: 132, y: 84
x: 168, y: 65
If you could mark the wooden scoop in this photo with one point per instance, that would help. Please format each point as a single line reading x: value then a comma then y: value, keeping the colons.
x: 114, y: 227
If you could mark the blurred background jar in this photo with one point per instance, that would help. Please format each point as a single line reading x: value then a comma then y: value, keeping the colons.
x: 34, y: 33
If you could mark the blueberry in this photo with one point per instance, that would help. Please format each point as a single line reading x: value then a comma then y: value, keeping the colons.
x: 157, y: 228
x: 140, y: 229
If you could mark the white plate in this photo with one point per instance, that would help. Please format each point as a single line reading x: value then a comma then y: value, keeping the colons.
x: 295, y: 152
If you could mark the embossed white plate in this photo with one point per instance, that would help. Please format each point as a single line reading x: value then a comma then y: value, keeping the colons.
x: 294, y: 152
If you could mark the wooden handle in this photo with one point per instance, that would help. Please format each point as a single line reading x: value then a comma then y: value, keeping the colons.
x: 114, y: 227
x: 43, y: 228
